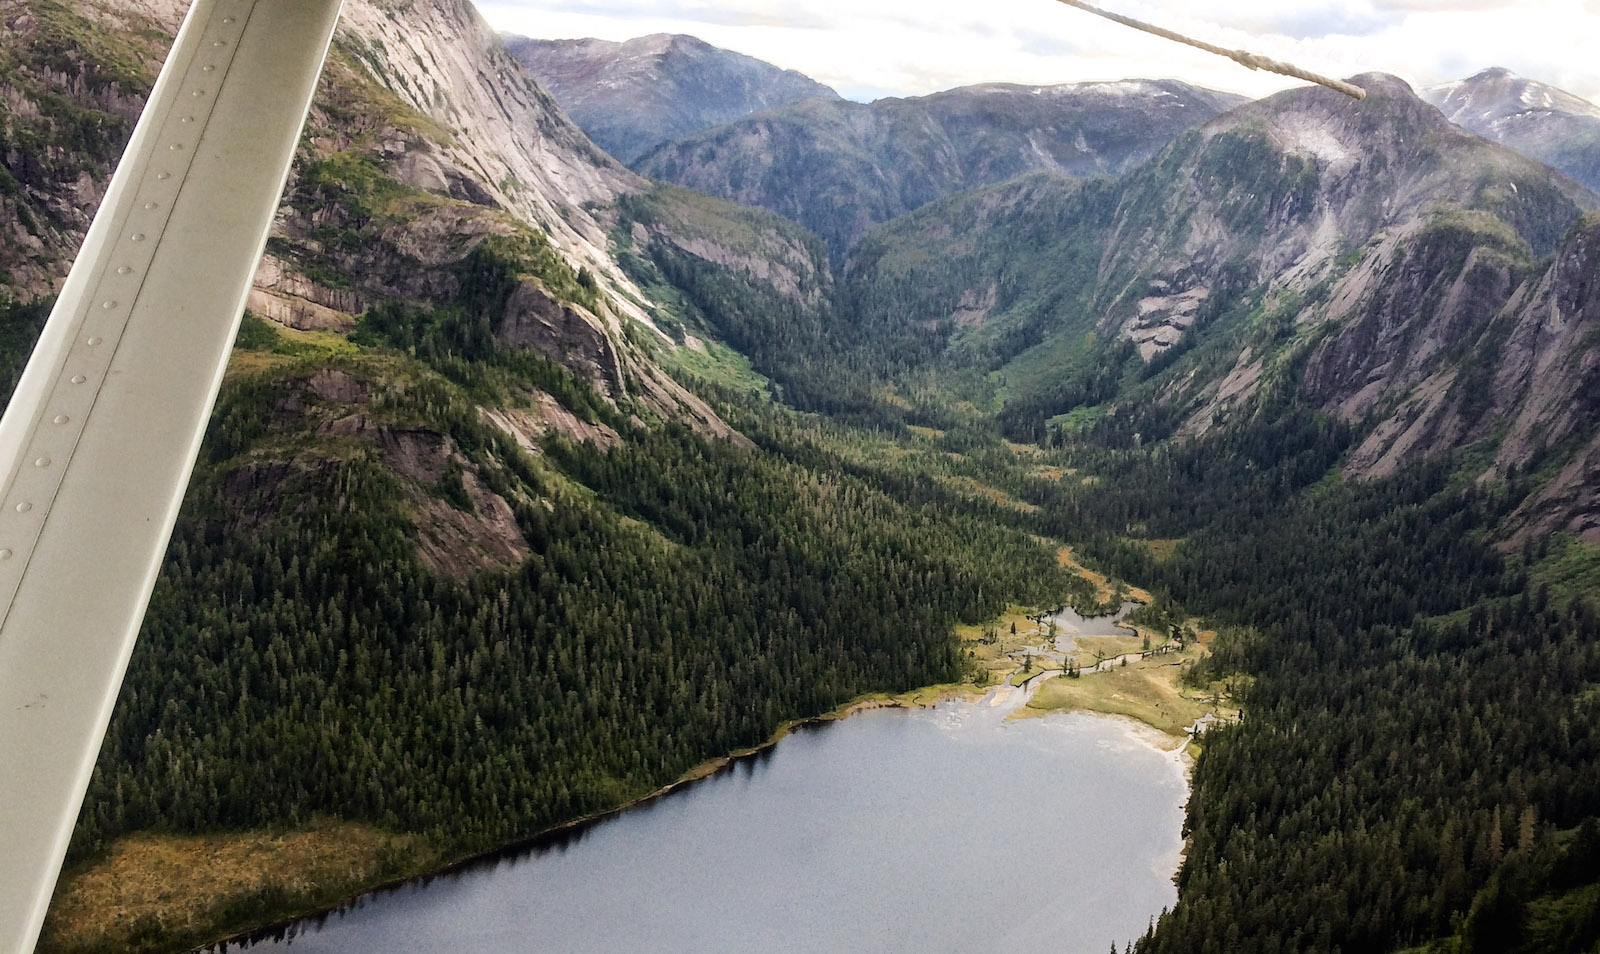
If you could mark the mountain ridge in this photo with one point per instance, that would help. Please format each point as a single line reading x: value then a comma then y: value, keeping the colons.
x: 633, y: 95
x: 1537, y: 119
x: 843, y: 168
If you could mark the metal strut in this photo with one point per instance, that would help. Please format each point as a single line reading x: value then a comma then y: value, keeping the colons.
x: 99, y: 439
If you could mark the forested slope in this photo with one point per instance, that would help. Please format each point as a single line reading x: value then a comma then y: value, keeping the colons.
x: 498, y: 522
x: 460, y: 560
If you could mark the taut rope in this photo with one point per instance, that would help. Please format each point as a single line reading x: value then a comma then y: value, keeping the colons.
x: 1248, y: 60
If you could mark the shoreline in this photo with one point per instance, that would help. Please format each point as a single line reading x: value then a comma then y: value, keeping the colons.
x: 1179, y: 746
x: 428, y: 865
x: 1173, y: 747
x: 923, y: 698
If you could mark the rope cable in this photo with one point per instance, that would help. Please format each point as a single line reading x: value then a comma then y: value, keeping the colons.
x: 1243, y: 58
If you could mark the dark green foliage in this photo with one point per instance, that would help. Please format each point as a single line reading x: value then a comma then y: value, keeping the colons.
x: 1392, y: 747
x: 19, y: 330
x: 298, y: 660
x: 785, y: 334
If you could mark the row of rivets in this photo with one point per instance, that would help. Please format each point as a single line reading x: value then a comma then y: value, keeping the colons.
x: 71, y: 402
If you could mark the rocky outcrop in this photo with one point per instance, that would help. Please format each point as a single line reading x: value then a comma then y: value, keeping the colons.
x: 545, y: 415
x: 291, y: 299
x: 1419, y: 297
x: 1490, y: 349
x: 1547, y: 384
x: 500, y: 131
x: 1286, y: 187
x: 565, y: 333
x: 54, y: 163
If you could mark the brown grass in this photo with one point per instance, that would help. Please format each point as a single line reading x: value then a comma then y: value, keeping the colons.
x: 1162, y: 550
x: 1086, y: 648
x: 193, y: 889
x: 1146, y: 690
x: 1105, y: 592
x: 974, y: 488
x: 246, y: 362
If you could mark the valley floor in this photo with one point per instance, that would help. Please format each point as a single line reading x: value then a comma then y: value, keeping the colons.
x: 154, y: 891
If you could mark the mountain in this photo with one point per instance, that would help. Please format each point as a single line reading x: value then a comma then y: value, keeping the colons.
x: 502, y: 519
x: 632, y: 96
x: 1549, y: 124
x: 1378, y: 255
x: 1327, y: 369
x: 463, y: 557
x: 843, y: 168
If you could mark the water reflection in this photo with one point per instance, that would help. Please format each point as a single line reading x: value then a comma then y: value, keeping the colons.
x: 938, y: 830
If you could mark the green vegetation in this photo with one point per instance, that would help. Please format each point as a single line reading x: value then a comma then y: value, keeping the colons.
x: 391, y: 626
x: 310, y: 653
x: 19, y: 329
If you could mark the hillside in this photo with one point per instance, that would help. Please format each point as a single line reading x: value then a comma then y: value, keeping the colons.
x: 635, y: 95
x: 1536, y: 119
x: 1378, y: 250
x: 461, y: 559
x: 842, y: 168
x: 509, y: 513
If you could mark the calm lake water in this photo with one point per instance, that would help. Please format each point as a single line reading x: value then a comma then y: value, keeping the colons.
x: 1070, y: 623
x: 893, y: 830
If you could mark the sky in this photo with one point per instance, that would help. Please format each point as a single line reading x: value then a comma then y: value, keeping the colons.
x: 867, y: 49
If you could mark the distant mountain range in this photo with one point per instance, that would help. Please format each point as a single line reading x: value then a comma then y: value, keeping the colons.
x: 842, y: 168
x: 632, y: 96
x: 1381, y: 256
x: 1546, y: 123
x: 504, y: 517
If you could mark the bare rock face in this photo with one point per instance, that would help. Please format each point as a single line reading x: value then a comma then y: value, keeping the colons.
x: 565, y: 333
x: 1163, y: 316
x: 1418, y: 294
x: 289, y: 298
x: 503, y: 140
x: 1283, y: 188
x: 166, y: 15
x: 1570, y: 502
x: 1548, y: 378
x: 54, y: 166
x: 528, y: 427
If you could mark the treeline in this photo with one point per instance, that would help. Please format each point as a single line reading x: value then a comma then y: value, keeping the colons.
x: 1422, y: 733
x: 299, y: 660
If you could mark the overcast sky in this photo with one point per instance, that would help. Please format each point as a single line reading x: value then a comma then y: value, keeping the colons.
x: 871, y: 48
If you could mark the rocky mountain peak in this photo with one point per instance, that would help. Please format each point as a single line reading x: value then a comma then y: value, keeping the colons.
x: 843, y: 168
x: 634, y: 95
x: 1497, y: 93
x: 502, y: 135
x: 1534, y: 118
x: 1283, y: 188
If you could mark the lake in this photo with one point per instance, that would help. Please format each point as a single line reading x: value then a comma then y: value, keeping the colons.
x: 944, y: 829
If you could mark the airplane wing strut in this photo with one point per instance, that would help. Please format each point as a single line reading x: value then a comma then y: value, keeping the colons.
x: 100, y: 437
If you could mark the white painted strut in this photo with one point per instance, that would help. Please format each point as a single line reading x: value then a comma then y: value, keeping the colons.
x: 98, y: 443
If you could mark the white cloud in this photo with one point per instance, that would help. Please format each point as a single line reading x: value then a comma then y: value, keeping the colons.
x: 870, y: 48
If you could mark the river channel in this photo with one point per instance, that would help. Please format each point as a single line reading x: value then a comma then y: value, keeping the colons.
x: 943, y: 829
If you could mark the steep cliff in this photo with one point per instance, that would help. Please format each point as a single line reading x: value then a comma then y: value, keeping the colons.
x: 1283, y: 188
